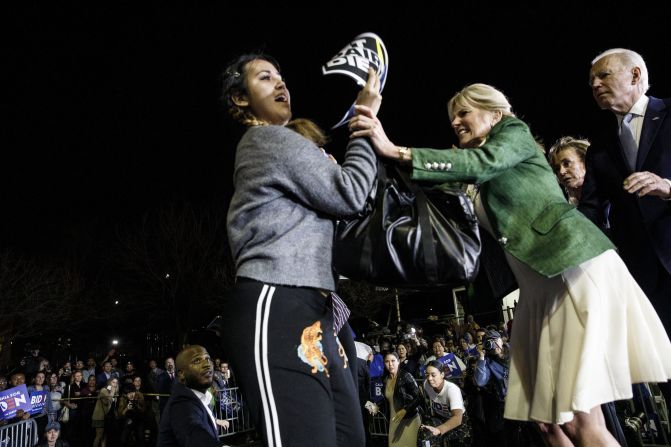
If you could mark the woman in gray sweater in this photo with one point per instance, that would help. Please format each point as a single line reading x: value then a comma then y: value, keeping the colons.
x: 283, y: 328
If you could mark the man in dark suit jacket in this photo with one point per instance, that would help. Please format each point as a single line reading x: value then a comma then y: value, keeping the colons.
x: 104, y: 376
x: 632, y: 193
x: 166, y: 380
x: 187, y: 419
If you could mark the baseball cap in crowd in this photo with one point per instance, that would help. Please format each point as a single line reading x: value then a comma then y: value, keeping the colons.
x: 53, y: 425
x: 492, y: 335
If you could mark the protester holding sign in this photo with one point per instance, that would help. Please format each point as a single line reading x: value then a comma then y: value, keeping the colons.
x: 282, y: 320
x: 366, y: 51
x: 579, y: 309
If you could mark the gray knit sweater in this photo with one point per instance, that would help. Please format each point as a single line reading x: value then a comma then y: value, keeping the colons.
x: 287, y: 198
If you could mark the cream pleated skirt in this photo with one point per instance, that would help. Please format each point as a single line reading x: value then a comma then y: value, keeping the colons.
x: 581, y: 339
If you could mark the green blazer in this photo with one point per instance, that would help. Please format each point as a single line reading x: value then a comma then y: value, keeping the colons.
x: 530, y: 217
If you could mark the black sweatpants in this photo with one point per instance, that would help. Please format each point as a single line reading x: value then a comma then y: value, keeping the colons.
x: 293, y: 370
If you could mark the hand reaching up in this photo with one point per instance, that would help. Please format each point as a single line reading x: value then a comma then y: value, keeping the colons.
x: 369, y: 95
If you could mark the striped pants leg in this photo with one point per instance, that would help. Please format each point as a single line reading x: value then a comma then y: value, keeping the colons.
x: 293, y: 370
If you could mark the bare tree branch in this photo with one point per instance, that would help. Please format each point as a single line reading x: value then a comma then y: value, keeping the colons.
x: 174, y: 266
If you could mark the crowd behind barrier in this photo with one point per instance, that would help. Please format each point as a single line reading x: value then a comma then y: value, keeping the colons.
x: 130, y: 415
x: 644, y: 418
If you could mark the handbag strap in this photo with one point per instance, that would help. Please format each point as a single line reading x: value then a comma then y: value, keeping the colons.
x: 375, y: 200
x: 424, y: 223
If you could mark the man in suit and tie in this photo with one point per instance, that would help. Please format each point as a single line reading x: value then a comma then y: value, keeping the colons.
x: 105, y: 375
x: 627, y: 183
x: 187, y: 419
x: 630, y: 177
x: 166, y: 381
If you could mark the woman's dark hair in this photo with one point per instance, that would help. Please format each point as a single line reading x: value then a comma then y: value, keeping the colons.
x: 234, y: 83
x: 128, y: 388
x: 394, y: 353
x: 438, y: 365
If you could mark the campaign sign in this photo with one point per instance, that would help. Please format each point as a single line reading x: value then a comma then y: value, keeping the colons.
x: 38, y: 401
x: 376, y: 367
x: 451, y: 366
x: 376, y: 389
x: 366, y: 50
x: 472, y: 352
x: 14, y: 399
x: 449, y: 362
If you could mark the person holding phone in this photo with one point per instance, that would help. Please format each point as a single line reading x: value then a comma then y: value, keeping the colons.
x: 104, y: 419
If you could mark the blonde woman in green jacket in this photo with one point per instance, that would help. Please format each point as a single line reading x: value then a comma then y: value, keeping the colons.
x: 584, y: 330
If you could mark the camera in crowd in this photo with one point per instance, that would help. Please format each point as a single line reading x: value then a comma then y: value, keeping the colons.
x: 489, y: 343
x: 635, y: 423
x: 411, y: 334
x: 633, y: 428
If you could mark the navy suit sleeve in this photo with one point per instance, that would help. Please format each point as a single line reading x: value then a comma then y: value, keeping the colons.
x: 592, y: 201
x: 191, y: 426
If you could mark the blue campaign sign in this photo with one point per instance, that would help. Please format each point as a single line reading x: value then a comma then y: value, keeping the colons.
x: 376, y: 368
x: 14, y: 399
x: 376, y: 389
x: 38, y: 400
x: 451, y: 366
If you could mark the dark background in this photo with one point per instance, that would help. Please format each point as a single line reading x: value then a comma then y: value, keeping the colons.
x: 111, y: 111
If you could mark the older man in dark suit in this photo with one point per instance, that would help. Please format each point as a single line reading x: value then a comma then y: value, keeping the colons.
x: 628, y: 181
x: 165, y: 382
x: 187, y: 419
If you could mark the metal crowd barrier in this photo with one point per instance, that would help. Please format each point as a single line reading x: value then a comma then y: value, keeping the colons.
x: 647, y: 416
x: 19, y: 434
x: 378, y: 424
x: 230, y: 406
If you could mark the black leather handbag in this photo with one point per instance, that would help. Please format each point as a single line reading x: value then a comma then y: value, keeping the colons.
x: 409, y: 236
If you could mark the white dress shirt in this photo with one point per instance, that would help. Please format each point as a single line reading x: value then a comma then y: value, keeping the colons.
x: 205, y: 399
